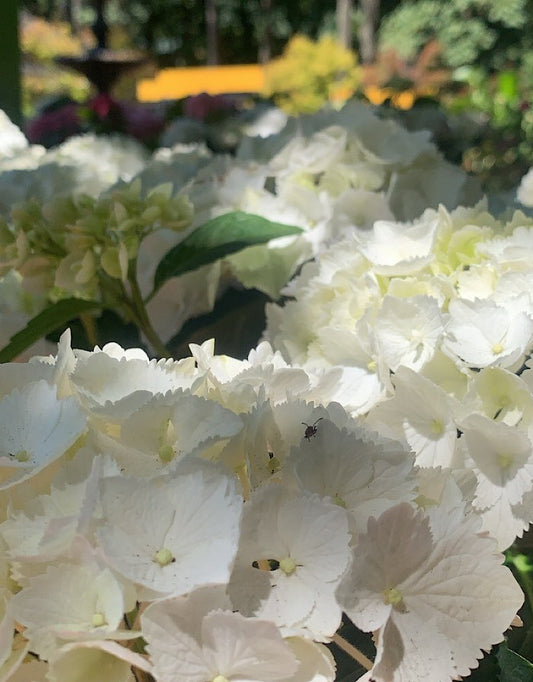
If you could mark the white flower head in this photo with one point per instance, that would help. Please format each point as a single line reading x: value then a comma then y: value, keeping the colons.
x: 172, y: 534
x: 293, y: 552
x: 358, y: 470
x: 113, y: 382
x: 481, y: 333
x: 436, y: 598
x: 199, y: 638
x: 36, y: 428
x: 427, y: 416
x: 408, y: 331
x: 399, y: 248
x: 501, y: 458
x: 525, y: 190
x: 71, y: 602
x: 172, y: 425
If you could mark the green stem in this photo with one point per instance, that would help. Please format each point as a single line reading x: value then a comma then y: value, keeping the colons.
x: 143, y: 320
x: 89, y: 326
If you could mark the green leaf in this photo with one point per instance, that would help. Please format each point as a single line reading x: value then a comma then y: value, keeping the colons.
x: 513, y: 667
x: 45, y: 322
x: 216, y: 239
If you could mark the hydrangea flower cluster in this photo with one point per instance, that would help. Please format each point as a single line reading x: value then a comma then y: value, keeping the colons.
x: 84, y: 164
x: 210, y: 519
x: 432, y: 325
x: 325, y: 173
x: 85, y: 247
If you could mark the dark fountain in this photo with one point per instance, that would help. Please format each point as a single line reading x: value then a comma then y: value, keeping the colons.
x: 102, y: 66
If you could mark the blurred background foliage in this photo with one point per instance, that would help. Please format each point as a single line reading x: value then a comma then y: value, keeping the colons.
x: 463, y: 68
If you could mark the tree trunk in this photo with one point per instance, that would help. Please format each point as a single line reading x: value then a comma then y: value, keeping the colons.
x: 367, y: 30
x: 72, y: 13
x: 344, y: 22
x: 10, y: 61
x: 265, y: 45
x: 212, y: 33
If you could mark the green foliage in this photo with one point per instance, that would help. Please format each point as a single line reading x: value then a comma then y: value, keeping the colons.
x: 176, y: 29
x: 309, y: 73
x: 504, y: 150
x: 41, y: 42
x: 52, y: 318
x: 216, y: 239
x: 467, y: 30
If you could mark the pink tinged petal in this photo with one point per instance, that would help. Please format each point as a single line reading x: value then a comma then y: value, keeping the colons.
x: 316, y: 533
x: 290, y: 600
x: 108, y: 661
x: 466, y: 591
x: 414, y: 652
x: 245, y: 648
x: 316, y: 662
x: 176, y: 656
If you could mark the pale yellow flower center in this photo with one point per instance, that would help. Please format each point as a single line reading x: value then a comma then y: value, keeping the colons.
x: 287, y: 565
x: 339, y: 501
x: 166, y: 453
x: 437, y: 427
x: 394, y: 597
x: 167, y: 438
x: 497, y: 348
x: 21, y: 455
x: 163, y: 557
x: 98, y: 620
x: 504, y: 460
x: 220, y: 678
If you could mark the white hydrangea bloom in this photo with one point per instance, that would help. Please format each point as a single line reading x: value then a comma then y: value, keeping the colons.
x: 110, y: 661
x: 36, y: 428
x: 174, y: 534
x: 169, y: 426
x: 307, y: 539
x: 198, y: 638
x: 12, y: 139
x: 71, y: 602
x: 58, y: 518
x: 501, y: 458
x: 359, y: 471
x: 424, y: 414
x: 483, y: 334
x: 113, y: 383
x: 525, y: 190
x: 399, y: 249
x: 408, y: 331
x: 411, y: 577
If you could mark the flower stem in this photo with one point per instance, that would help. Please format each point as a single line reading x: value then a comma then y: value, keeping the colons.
x: 143, y: 320
x: 352, y: 651
x: 89, y: 327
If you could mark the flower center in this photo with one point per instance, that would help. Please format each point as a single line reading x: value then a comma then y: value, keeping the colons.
x: 98, y: 620
x: 437, y: 427
x: 287, y: 565
x: 21, y: 455
x: 504, y: 461
x: 394, y: 597
x: 339, y: 501
x: 164, y: 556
x: 220, y: 678
x: 497, y: 348
x: 167, y: 438
x: 166, y: 453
